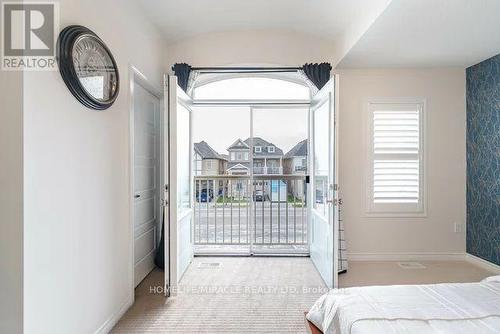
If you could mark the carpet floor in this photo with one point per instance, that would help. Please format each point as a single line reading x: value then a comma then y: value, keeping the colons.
x: 240, y: 295
x: 262, y: 294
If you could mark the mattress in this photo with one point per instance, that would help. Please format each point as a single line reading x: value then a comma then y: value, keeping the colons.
x: 434, y: 308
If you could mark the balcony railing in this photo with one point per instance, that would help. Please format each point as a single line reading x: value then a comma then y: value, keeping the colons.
x: 234, y: 210
x: 300, y: 168
x: 267, y: 170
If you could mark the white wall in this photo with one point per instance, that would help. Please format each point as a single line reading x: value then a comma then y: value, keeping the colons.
x: 11, y: 202
x: 444, y: 90
x: 251, y: 47
x: 77, y: 231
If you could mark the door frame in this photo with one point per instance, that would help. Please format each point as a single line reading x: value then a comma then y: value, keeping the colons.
x: 170, y: 200
x: 333, y: 155
x: 137, y: 77
x: 253, y: 105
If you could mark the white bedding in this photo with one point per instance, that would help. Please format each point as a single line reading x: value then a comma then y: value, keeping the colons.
x: 435, y: 308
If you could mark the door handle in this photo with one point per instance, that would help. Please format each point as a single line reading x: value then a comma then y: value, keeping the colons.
x: 137, y: 196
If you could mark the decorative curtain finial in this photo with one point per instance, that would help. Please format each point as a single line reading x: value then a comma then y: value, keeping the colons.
x: 319, y: 74
x: 182, y: 71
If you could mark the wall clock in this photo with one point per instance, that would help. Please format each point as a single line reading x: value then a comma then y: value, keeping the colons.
x: 87, y: 67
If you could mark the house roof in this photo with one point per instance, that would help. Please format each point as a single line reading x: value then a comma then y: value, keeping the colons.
x: 257, y: 141
x: 207, y: 152
x: 238, y: 165
x: 299, y: 150
x: 238, y: 144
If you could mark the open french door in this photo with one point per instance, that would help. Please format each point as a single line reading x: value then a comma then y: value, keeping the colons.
x: 324, y: 217
x: 178, y: 185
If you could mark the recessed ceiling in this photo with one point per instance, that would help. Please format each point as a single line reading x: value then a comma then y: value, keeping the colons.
x: 429, y: 33
x: 323, y: 18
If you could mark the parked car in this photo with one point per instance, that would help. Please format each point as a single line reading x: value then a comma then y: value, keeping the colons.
x: 205, y: 196
x: 259, y: 196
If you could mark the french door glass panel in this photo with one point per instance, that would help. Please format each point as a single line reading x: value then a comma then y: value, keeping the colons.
x: 183, y: 158
x: 280, y: 221
x: 221, y: 190
x: 321, y: 158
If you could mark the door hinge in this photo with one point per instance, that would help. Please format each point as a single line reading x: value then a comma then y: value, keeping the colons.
x: 336, y: 187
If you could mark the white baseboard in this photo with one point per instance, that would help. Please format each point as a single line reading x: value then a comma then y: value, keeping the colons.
x: 108, y: 325
x: 417, y: 256
x: 494, y: 268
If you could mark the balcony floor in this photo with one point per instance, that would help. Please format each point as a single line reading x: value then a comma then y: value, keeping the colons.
x: 249, y: 295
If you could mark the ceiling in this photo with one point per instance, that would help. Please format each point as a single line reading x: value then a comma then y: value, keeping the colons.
x: 327, y: 19
x: 429, y: 33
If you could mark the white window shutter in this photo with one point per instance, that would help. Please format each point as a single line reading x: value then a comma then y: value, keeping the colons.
x: 396, y: 158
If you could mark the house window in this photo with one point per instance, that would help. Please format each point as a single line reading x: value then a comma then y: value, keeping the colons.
x: 233, y: 157
x: 197, y: 164
x: 257, y: 149
x: 209, y: 164
x: 271, y: 149
x: 239, y: 156
x: 396, y: 178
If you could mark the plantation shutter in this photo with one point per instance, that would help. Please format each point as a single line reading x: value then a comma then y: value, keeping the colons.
x: 396, y: 157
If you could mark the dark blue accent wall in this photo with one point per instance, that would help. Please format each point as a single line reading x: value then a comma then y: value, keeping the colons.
x: 483, y: 160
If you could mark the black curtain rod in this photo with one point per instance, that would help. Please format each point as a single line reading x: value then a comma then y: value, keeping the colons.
x: 251, y: 71
x: 246, y: 69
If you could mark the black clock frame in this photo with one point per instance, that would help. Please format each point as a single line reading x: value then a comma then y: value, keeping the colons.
x: 65, y: 44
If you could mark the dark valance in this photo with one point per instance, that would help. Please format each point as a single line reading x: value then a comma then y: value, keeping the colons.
x: 182, y: 71
x: 319, y: 74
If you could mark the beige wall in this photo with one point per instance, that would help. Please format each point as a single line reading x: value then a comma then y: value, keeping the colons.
x: 11, y: 202
x: 77, y: 230
x: 444, y: 91
x: 251, y: 47
x: 214, y: 166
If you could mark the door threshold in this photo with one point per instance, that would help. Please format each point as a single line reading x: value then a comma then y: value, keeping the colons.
x: 250, y: 255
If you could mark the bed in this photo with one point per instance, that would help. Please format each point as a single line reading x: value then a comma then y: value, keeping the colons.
x: 435, y: 308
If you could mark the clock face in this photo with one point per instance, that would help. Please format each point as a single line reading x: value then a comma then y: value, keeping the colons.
x: 87, y: 67
x: 94, y: 68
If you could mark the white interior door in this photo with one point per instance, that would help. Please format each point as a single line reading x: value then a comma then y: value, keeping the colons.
x: 147, y: 220
x: 179, y: 182
x: 323, y: 195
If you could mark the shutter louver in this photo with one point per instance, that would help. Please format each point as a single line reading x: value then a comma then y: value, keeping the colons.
x: 396, y: 155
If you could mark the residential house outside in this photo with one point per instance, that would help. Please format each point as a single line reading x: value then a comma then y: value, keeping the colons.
x: 267, y: 157
x: 207, y: 162
x: 295, y: 162
x: 267, y: 160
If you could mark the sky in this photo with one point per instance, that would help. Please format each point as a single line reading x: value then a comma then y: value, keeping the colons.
x: 222, y: 126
